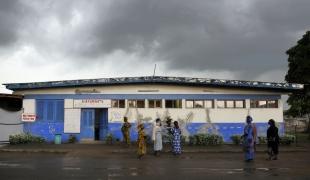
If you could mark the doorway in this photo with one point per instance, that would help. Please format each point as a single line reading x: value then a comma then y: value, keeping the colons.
x: 94, y: 123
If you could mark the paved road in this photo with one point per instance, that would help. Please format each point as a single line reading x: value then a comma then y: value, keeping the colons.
x: 125, y: 166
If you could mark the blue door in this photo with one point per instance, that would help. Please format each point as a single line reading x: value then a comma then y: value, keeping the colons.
x: 103, y: 123
x: 87, y: 123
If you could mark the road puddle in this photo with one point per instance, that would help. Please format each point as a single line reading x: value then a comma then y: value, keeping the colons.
x: 7, y: 164
x: 246, y: 171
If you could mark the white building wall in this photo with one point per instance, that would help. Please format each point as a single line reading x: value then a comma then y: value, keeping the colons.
x: 72, y: 120
x: 10, y: 117
x: 141, y: 89
x: 29, y: 106
x: 214, y: 115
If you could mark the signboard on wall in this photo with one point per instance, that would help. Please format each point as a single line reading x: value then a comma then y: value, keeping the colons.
x: 29, y: 117
x: 92, y: 103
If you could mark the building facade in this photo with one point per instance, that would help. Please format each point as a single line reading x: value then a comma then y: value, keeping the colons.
x: 91, y: 109
x: 10, y: 116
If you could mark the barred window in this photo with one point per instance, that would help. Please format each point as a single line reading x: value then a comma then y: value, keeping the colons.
x: 134, y: 103
x: 118, y: 103
x: 155, y: 103
x: 194, y: 104
x: 230, y: 104
x: 264, y: 103
x: 173, y: 103
x: 209, y: 104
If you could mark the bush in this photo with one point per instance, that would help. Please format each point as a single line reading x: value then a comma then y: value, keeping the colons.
x: 287, y: 139
x: 183, y: 140
x: 262, y: 140
x: 72, y: 138
x: 236, y: 139
x: 205, y: 139
x: 109, y: 139
x: 26, y: 138
x: 192, y: 140
x: 167, y: 139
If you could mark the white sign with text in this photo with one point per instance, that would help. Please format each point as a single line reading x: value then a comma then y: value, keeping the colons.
x: 92, y: 103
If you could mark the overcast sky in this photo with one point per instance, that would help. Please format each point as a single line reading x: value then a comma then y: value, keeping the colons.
x: 77, y: 39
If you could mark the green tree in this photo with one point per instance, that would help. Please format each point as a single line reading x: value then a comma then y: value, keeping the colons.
x: 299, y: 72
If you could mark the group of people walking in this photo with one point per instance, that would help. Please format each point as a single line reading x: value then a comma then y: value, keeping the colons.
x: 249, y: 138
x: 157, y: 137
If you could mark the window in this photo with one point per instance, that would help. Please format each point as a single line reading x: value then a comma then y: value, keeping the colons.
x: 155, y: 103
x: 272, y: 104
x: 50, y: 110
x: 239, y: 104
x: 264, y: 104
x: 198, y: 104
x: 220, y: 104
x: 120, y: 103
x: 140, y: 103
x: 189, y: 104
x: 194, y: 104
x: 136, y: 103
x: 230, y: 104
x: 209, y: 104
x: 174, y: 103
x: 132, y: 103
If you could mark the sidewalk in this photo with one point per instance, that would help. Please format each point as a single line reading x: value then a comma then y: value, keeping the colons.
x: 117, y: 148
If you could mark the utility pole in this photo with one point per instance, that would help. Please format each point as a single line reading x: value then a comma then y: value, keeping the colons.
x: 154, y: 70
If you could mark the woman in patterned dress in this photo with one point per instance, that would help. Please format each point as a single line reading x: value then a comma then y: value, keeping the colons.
x: 126, y: 132
x: 176, y: 141
x: 249, y: 139
x: 141, y: 141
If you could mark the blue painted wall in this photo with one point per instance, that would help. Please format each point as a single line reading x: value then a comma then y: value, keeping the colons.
x: 226, y: 130
x: 47, y: 128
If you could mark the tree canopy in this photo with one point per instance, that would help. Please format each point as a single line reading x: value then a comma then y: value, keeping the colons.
x: 299, y: 72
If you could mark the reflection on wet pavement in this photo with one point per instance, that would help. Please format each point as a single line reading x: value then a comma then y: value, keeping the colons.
x: 67, y: 167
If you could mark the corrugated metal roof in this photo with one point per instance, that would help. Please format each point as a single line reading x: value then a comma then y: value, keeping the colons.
x: 11, y: 96
x: 188, y: 81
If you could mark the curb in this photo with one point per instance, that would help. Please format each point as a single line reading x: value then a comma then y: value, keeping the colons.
x: 135, y: 150
x: 34, y: 151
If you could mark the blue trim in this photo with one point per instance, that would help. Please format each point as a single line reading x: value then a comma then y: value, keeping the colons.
x: 155, y: 96
x: 226, y: 130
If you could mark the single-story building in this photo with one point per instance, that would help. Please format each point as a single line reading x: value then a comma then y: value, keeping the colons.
x: 10, y: 116
x: 92, y: 108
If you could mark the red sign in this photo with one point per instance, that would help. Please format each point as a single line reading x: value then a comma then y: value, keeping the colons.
x: 29, y: 117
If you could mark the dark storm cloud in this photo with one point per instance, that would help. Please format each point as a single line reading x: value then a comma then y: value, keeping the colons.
x: 9, y: 16
x: 199, y: 34
x: 249, y: 36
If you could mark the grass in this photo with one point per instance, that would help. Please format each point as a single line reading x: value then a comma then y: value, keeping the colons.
x: 301, y: 137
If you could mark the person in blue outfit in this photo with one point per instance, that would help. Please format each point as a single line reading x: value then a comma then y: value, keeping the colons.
x: 249, y: 137
x: 176, y: 140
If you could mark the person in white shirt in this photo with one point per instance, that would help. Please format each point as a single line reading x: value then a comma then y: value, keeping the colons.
x: 157, y: 137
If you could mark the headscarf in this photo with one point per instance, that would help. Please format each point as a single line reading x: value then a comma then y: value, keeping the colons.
x: 249, y: 119
x: 140, y: 126
x: 271, y: 122
x: 157, y: 122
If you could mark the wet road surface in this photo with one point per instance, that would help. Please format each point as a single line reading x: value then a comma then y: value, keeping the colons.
x: 126, y: 166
